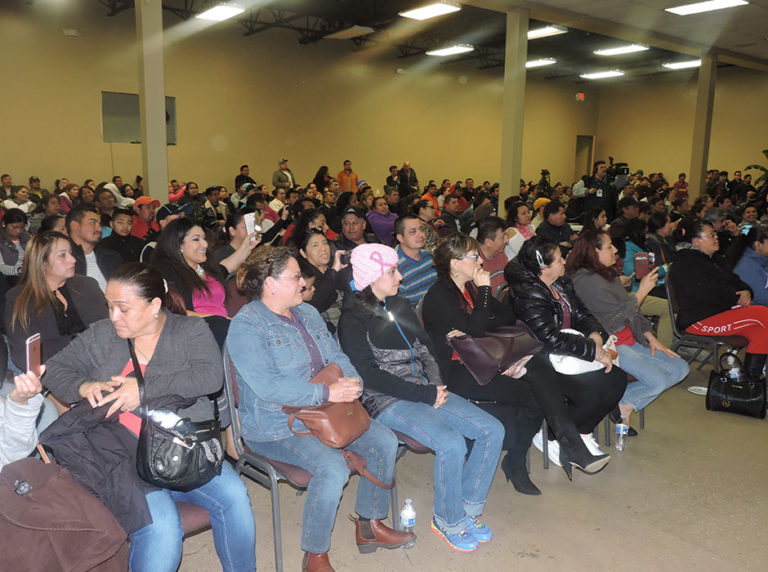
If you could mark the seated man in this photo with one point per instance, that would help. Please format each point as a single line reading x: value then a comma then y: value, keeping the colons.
x: 555, y: 228
x: 121, y: 240
x: 91, y: 257
x: 492, y: 240
x: 353, y: 230
x: 413, y: 262
x: 212, y: 214
x: 145, y: 226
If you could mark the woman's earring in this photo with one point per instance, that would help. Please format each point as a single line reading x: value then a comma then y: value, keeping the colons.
x: 273, y: 291
x: 157, y: 315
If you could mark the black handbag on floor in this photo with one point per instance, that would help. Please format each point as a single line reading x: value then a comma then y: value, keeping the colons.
x: 182, y: 456
x: 729, y: 390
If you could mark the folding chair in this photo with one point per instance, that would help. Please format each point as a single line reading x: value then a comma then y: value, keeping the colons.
x: 683, y: 339
x: 264, y: 471
x: 404, y: 444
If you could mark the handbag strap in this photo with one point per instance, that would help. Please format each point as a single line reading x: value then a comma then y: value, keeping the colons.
x: 140, y: 383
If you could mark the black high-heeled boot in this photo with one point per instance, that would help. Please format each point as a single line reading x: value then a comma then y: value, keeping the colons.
x: 574, y: 453
x: 515, y: 471
x: 753, y: 366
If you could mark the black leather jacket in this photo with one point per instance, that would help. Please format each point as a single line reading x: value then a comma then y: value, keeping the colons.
x: 537, y: 307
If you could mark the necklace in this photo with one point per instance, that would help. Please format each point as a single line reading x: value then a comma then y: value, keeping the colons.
x: 200, y: 271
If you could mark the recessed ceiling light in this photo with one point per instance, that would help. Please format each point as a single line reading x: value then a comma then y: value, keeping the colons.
x: 451, y: 50
x: 682, y: 65
x: 221, y: 12
x: 540, y: 63
x: 699, y: 7
x: 546, y: 31
x: 431, y: 10
x: 621, y: 50
x: 602, y: 74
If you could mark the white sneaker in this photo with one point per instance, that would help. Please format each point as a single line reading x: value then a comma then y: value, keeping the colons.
x: 553, y: 447
x: 554, y: 453
x: 591, y: 443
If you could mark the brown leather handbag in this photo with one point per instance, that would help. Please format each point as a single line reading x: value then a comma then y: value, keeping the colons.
x: 496, y: 352
x: 335, y: 424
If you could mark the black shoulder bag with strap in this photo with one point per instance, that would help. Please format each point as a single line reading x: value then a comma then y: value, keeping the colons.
x: 180, y: 455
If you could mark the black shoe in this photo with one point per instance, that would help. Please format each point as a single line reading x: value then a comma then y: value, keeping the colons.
x: 615, y: 417
x: 577, y: 455
x: 518, y: 474
x: 631, y: 432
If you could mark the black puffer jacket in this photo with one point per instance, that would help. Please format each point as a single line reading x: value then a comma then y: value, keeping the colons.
x: 537, y: 307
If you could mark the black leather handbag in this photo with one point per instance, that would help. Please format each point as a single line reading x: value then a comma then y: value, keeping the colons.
x: 496, y: 352
x: 729, y: 390
x: 181, y: 456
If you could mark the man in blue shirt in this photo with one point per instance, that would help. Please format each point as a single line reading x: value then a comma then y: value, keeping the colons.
x: 414, y: 263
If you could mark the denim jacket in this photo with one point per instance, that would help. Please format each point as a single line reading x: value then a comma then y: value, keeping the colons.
x: 273, y: 367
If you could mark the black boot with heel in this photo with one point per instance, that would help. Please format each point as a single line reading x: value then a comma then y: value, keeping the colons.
x: 515, y: 470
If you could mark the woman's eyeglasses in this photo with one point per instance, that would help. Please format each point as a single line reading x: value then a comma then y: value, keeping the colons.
x: 472, y: 255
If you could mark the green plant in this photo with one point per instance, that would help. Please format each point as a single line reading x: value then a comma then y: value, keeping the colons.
x: 764, y: 177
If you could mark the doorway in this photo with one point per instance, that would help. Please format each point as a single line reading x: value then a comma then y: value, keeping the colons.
x: 585, y: 148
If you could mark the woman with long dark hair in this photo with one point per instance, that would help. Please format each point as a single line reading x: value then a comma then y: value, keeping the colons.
x: 749, y: 256
x: 461, y: 301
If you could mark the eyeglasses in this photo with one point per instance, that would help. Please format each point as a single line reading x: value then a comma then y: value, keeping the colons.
x: 296, y: 277
x: 710, y: 235
x: 472, y: 255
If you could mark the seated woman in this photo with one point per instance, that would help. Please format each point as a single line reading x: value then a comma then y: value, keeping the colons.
x: 309, y: 219
x: 388, y: 346
x: 179, y: 358
x: 381, y: 220
x: 519, y: 218
x: 461, y: 301
x: 748, y: 255
x: 277, y: 344
x: 594, y: 219
x: 182, y: 257
x: 591, y: 267
x: 13, y: 243
x: 713, y: 300
x: 50, y: 299
x: 49, y: 205
x: 55, y: 223
x: 545, y: 300
x: 19, y: 199
x: 315, y: 259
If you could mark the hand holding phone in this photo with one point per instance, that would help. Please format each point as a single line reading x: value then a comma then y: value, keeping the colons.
x: 250, y: 223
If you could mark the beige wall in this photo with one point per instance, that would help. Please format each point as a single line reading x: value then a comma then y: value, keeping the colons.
x: 252, y: 100
x: 650, y: 125
x: 259, y: 98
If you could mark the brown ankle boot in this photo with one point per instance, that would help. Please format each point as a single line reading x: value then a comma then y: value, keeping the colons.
x: 373, y: 534
x: 316, y: 563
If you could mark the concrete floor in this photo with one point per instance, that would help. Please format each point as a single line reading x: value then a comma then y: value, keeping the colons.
x: 689, y: 493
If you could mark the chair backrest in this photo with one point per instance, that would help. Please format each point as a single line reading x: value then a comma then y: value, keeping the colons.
x: 232, y: 395
x: 672, y: 302
x: 502, y: 292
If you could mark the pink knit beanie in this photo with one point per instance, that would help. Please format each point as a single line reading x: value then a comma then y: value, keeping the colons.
x: 369, y: 262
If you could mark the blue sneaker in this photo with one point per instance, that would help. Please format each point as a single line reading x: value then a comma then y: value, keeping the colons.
x: 461, y: 541
x: 478, y: 529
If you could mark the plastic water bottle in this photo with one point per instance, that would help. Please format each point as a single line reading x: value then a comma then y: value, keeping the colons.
x: 621, y: 436
x: 408, y: 516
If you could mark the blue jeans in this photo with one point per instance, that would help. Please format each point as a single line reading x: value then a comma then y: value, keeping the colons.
x: 330, y: 474
x: 157, y: 546
x: 460, y: 487
x: 654, y: 373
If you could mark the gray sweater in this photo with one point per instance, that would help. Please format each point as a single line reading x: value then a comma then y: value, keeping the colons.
x: 17, y: 428
x: 611, y: 304
x: 186, y: 362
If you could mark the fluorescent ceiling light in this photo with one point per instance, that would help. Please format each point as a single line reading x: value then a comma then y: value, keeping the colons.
x: 602, y: 75
x: 698, y: 7
x: 540, y: 63
x: 221, y: 12
x: 452, y: 50
x: 682, y: 65
x: 351, y: 32
x: 431, y: 10
x: 621, y: 50
x: 546, y: 31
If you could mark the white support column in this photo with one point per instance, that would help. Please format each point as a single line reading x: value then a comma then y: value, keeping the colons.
x: 513, y: 104
x: 154, y: 153
x: 702, y: 123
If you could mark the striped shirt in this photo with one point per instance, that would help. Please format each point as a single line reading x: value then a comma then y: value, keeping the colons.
x: 418, y: 275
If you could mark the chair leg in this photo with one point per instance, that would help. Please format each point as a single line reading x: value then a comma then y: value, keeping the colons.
x: 545, y: 443
x: 607, y: 428
x: 394, y: 502
x: 642, y: 418
x: 276, y: 528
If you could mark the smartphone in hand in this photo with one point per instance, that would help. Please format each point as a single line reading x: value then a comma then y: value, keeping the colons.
x: 34, y: 361
x: 642, y: 265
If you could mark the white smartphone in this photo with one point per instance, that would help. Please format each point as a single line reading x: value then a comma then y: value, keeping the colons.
x: 250, y: 223
x: 34, y: 361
